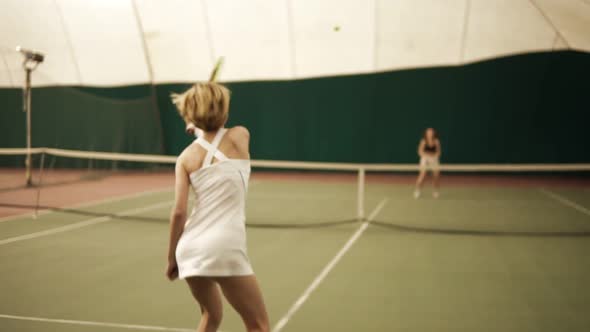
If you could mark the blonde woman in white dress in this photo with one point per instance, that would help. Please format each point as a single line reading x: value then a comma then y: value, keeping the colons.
x: 208, y: 248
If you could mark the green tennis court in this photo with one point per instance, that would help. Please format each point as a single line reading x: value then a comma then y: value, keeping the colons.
x: 479, y: 258
x: 410, y: 166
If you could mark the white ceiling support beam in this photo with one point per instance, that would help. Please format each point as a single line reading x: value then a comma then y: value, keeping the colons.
x: 375, y: 35
x: 557, y: 33
x: 144, y: 46
x: 6, y: 68
x: 571, y: 18
x: 465, y: 30
x: 208, y: 32
x: 291, y: 36
x: 68, y: 41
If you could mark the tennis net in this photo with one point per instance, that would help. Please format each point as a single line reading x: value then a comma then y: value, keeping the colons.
x: 484, y: 199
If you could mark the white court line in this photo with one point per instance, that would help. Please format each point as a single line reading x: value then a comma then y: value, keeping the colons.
x: 80, y: 224
x: 565, y: 201
x: 86, y: 204
x: 103, y: 324
x: 316, y: 282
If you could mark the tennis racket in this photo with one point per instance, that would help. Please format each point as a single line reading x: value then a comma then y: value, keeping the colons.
x: 216, y: 70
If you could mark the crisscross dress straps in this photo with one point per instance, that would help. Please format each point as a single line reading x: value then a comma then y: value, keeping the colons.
x: 212, y: 148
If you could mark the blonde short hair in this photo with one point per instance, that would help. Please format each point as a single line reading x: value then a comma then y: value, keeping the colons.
x: 206, y: 105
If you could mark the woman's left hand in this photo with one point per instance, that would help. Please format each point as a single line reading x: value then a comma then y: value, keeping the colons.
x: 172, y: 270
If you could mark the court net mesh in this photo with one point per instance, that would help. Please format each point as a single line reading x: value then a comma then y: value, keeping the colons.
x: 489, y: 199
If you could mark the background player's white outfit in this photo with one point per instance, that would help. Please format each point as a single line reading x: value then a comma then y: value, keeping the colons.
x: 429, y: 162
x: 429, y: 158
x: 213, y: 242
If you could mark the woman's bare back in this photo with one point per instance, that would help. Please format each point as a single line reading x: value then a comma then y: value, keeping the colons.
x: 234, y: 145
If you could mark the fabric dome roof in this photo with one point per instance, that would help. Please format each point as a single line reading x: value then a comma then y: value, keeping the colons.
x: 120, y: 42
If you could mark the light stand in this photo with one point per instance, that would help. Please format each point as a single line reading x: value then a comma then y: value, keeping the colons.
x: 32, y: 60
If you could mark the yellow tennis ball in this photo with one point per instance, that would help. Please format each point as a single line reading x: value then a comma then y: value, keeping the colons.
x: 336, y: 28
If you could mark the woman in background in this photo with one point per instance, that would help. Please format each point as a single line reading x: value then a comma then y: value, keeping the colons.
x: 208, y: 249
x: 429, y: 152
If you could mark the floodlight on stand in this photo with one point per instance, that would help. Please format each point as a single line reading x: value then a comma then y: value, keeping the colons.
x: 30, y: 63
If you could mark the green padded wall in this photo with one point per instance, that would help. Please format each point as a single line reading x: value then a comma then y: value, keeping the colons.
x: 102, y: 119
x: 525, y: 108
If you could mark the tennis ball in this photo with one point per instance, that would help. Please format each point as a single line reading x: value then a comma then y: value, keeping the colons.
x: 336, y: 28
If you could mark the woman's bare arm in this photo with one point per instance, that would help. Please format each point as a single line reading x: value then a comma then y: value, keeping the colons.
x: 178, y: 215
x: 240, y: 137
x: 421, y: 148
x: 438, y: 149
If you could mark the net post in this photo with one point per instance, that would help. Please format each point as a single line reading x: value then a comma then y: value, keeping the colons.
x: 41, y: 167
x: 360, y: 198
x: 27, y: 110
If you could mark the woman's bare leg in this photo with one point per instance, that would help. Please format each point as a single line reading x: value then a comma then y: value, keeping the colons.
x: 243, y: 293
x: 436, y: 182
x: 419, y: 182
x: 207, y: 294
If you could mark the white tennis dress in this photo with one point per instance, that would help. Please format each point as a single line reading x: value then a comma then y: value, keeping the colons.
x: 213, y: 242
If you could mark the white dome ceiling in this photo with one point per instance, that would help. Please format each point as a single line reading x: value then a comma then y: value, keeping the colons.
x: 119, y: 42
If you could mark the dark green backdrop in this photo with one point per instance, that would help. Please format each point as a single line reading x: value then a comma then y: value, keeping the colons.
x: 100, y: 119
x: 525, y: 108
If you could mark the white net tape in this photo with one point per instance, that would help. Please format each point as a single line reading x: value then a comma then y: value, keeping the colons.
x: 309, y: 165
